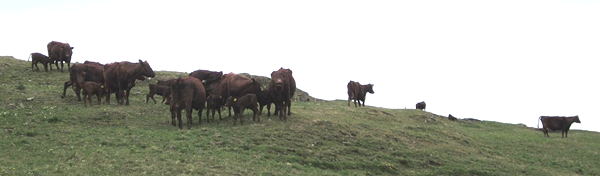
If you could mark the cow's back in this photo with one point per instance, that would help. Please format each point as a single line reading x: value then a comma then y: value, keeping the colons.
x: 553, y: 123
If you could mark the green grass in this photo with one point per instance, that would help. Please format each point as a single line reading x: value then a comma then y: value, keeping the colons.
x: 53, y: 136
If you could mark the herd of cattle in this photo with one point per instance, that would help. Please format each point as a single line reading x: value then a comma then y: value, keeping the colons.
x: 204, y: 89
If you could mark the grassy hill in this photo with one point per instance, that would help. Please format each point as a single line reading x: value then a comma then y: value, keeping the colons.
x: 42, y: 134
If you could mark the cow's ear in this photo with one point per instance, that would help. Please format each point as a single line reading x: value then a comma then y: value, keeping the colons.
x: 140, y: 61
x: 72, y: 47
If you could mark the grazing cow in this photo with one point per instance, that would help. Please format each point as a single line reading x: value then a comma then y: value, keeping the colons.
x: 421, y: 105
x: 247, y: 101
x: 213, y: 103
x: 120, y: 77
x: 452, y: 118
x: 282, y: 89
x: 358, y: 92
x: 187, y: 93
x: 60, y: 52
x: 91, y: 88
x: 233, y: 85
x: 39, y: 58
x: 557, y: 123
x: 265, y: 99
x: 207, y: 76
x: 161, y: 90
x: 81, y: 73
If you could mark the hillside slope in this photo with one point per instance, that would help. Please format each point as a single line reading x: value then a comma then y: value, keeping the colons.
x: 42, y: 134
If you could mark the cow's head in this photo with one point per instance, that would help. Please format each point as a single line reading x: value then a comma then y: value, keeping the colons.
x: 68, y: 51
x: 277, y: 80
x: 576, y: 119
x: 370, y: 88
x: 146, y: 69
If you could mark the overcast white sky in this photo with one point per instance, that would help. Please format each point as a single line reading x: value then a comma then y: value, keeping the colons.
x: 509, y: 61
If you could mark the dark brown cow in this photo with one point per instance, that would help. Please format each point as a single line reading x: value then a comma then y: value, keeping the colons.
x: 233, y: 85
x: 358, y: 92
x: 452, y: 118
x: 421, y: 105
x: 557, y: 123
x: 81, y: 73
x: 265, y: 99
x: 282, y: 89
x: 161, y: 90
x: 122, y: 75
x: 94, y: 63
x: 60, y: 52
x: 206, y: 75
x: 39, y: 58
x: 213, y: 103
x: 91, y: 88
x: 187, y: 93
x: 247, y: 101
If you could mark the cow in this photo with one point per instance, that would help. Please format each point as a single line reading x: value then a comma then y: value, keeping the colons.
x: 187, y: 93
x: 120, y: 77
x: 264, y: 98
x: 233, y: 85
x: 39, y: 58
x: 557, y: 123
x: 80, y: 73
x: 91, y: 88
x: 247, y: 101
x: 60, y: 52
x: 93, y: 63
x: 206, y: 75
x: 358, y: 92
x: 162, y: 90
x: 282, y: 88
x: 421, y: 106
x: 213, y: 103
x: 452, y: 118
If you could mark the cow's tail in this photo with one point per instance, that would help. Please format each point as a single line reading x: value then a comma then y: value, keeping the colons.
x: 29, y: 58
x: 540, y: 119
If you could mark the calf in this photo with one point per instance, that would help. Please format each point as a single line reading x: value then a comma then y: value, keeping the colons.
x: 39, y: 58
x: 161, y: 90
x: 91, y: 88
x: 213, y: 103
x: 247, y: 101
x: 421, y: 105
x: 264, y: 98
x: 557, y: 123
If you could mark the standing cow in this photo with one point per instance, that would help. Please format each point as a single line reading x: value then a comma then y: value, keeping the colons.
x: 120, y: 78
x: 187, y: 93
x: 232, y: 85
x: 421, y: 106
x: 282, y: 89
x: 39, y: 58
x: 557, y: 123
x: 60, y: 52
x: 358, y: 92
x: 80, y: 73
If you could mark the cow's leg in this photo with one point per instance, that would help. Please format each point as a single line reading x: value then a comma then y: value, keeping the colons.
x: 61, y: 66
x: 200, y: 116
x: 127, y: 96
x: 99, y: 97
x: 269, y: 109
x: 173, y: 116
x: 289, y: 106
x: 107, y: 91
x: 255, y: 110
x: 260, y: 109
x: 69, y: 66
x: 349, y: 100
x: 219, y: 111
x: 67, y: 84
x: 89, y: 98
x: 179, y: 119
x: 56, y: 63
x: 229, y: 109
x: 46, y: 67
x: 77, y: 91
x: 355, y: 103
